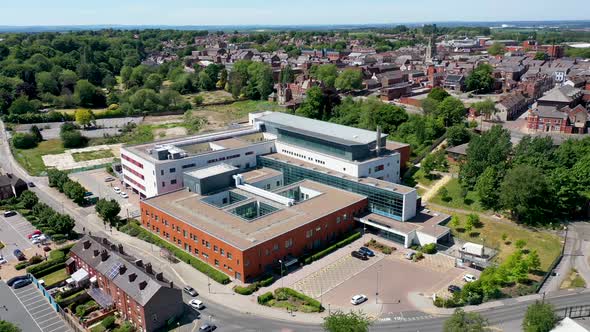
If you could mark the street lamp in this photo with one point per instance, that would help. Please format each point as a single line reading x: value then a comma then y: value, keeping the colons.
x: 282, y: 281
x: 564, y: 241
x: 208, y: 277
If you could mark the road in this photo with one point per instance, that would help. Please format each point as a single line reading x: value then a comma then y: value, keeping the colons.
x: 230, y: 320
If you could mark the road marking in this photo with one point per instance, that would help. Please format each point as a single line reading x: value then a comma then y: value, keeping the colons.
x: 33, y: 302
x: 59, y: 321
x: 28, y: 297
x: 19, y: 234
x: 27, y: 310
x: 39, y: 306
x: 57, y: 328
x: 52, y: 311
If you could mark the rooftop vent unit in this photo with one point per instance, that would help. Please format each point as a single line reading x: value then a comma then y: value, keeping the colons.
x: 240, y: 184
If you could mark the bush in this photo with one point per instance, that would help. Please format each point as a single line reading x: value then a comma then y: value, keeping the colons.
x: 419, y: 255
x: 21, y: 265
x: 246, y: 290
x: 24, y: 141
x: 285, y: 293
x: 35, y: 259
x: 429, y: 248
x: 266, y: 281
x: 387, y: 250
x: 265, y: 298
x: 108, y: 322
x: 355, y: 236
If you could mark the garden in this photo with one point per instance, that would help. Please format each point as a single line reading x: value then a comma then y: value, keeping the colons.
x: 291, y: 300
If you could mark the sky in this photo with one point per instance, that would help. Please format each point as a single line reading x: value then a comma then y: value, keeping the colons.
x: 282, y: 12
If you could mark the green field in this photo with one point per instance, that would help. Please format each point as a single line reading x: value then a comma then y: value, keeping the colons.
x: 139, y: 135
x: 490, y: 234
x: 55, y: 277
x: 92, y: 155
x: 31, y: 160
x: 211, y: 97
x: 455, y: 199
x: 239, y: 110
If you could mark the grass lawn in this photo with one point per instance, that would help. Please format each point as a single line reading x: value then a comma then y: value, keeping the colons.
x: 211, y: 97
x: 30, y: 159
x: 455, y: 199
x: 573, y: 280
x: 546, y: 244
x: 240, y: 109
x: 92, y: 155
x: 139, y: 135
x: 55, y: 277
x: 72, y: 111
x: 415, y: 176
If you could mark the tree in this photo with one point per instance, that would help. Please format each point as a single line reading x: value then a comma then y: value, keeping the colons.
x: 457, y: 134
x: 541, y: 56
x: 525, y: 193
x: 434, y: 161
x: 86, y: 94
x: 539, y: 317
x: 74, y: 191
x: 287, y: 75
x: 222, y: 79
x: 462, y: 321
x: 57, y: 178
x: 349, y: 80
x: 68, y: 79
x: 520, y: 244
x: 198, y: 100
x: 438, y: 94
x: 154, y: 82
x: 485, y: 108
x: 22, y: 105
x: 451, y: 110
x: 314, y: 104
x: 46, y: 83
x: 35, y: 131
x: 497, y: 49
x: 84, y: 117
x: 469, y: 225
x: 205, y: 82
x: 489, y: 149
x: 28, y: 199
x: 192, y: 122
x: 73, y: 139
x: 24, y: 141
x: 473, y: 219
x: 326, y: 74
x: 455, y: 222
x: 346, y: 322
x: 108, y: 210
x: 480, y: 80
x: 534, y: 261
x: 487, y: 188
x: 6, y: 326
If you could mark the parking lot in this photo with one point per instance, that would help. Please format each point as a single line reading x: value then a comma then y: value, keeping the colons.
x: 94, y: 181
x: 14, y: 233
x: 29, y: 309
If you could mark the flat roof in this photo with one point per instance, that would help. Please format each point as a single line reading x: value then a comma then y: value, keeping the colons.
x: 322, y: 128
x: 206, y: 172
x: 260, y: 174
x: 219, y: 222
x: 369, y: 181
x: 231, y: 143
x: 425, y: 222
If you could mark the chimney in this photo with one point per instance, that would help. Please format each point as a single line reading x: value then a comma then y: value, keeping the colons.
x: 139, y: 263
x: 378, y: 142
x: 104, y: 255
x: 148, y: 268
x: 171, y: 284
x: 86, y: 244
x: 132, y: 277
x: 114, y: 247
x: 159, y: 276
x: 96, y: 252
x: 105, y: 241
x: 142, y: 285
x: 122, y: 269
x: 121, y: 249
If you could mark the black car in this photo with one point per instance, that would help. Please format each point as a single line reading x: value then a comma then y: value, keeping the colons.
x: 359, y: 255
x: 31, y: 184
x: 367, y: 251
x: 22, y: 283
x: 19, y: 255
x: 207, y: 328
x: 453, y: 289
x: 15, y: 279
x: 190, y: 291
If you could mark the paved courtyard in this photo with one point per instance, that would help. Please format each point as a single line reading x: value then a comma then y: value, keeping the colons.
x: 66, y: 161
x: 14, y: 233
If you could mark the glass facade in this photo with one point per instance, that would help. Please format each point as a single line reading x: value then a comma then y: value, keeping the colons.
x: 253, y: 210
x: 313, y: 144
x: 383, y: 202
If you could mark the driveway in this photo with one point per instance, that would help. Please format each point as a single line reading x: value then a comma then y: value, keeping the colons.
x: 13, y: 233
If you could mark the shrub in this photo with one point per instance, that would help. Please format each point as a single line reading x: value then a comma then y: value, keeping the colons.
x: 24, y: 141
x: 266, y: 281
x: 108, y: 322
x: 419, y: 255
x: 387, y: 250
x: 429, y: 248
x: 21, y: 265
x: 285, y: 293
x: 265, y: 298
x: 246, y: 290
x: 332, y: 248
x: 35, y: 259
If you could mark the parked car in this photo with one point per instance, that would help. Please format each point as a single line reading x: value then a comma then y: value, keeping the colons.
x: 124, y: 195
x: 109, y: 179
x: 88, y: 194
x: 453, y: 289
x: 196, y: 304
x: 12, y: 280
x: 409, y: 255
x: 22, y: 283
x: 358, y: 299
x: 31, y: 185
x: 469, y: 277
x: 35, y: 240
x: 117, y: 189
x: 367, y: 251
x: 19, y: 255
x: 36, y: 232
x: 359, y: 255
x: 2, y: 260
x: 190, y: 291
x: 207, y: 328
x: 9, y: 214
x: 47, y: 248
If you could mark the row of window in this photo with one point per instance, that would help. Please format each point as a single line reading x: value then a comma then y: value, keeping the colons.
x: 299, y: 155
x: 172, y: 182
x: 131, y: 160
x: 134, y: 172
x: 223, y: 158
x: 137, y: 184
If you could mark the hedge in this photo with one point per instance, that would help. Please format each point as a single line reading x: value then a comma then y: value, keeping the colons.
x: 51, y: 269
x: 57, y: 258
x: 302, y: 297
x: 320, y: 254
x: 246, y: 290
x: 265, y: 298
x: 182, y: 255
x: 267, y: 281
x: 21, y: 265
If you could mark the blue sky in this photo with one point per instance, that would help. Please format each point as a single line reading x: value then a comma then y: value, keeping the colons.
x: 282, y: 12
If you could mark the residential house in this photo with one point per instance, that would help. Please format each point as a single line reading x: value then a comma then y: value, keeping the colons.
x: 11, y: 186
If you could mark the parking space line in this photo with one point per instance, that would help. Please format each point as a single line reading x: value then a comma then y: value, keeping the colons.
x: 57, y: 328
x: 25, y: 291
x: 59, y: 321
x: 27, y: 310
x: 23, y: 297
x: 38, y: 306
x: 50, y: 320
x: 9, y: 224
x: 49, y: 313
x: 33, y: 301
